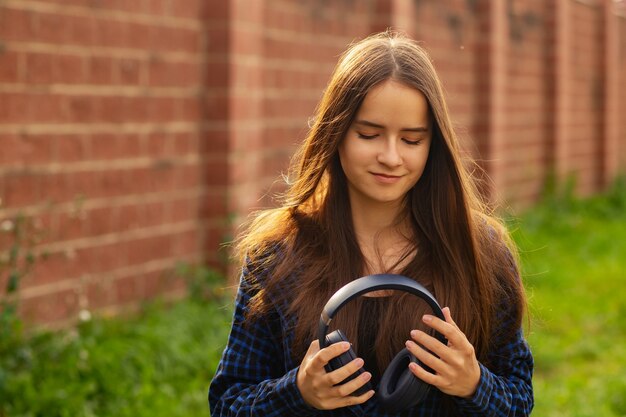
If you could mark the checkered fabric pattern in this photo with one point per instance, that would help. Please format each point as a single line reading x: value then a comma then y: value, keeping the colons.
x: 257, y: 375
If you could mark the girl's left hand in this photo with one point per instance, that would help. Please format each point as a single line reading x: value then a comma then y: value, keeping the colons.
x: 457, y: 369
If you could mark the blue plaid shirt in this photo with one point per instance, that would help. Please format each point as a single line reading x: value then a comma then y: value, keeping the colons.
x: 257, y: 375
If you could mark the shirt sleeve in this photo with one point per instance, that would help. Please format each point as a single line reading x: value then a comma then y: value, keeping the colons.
x: 250, y: 379
x: 506, y: 390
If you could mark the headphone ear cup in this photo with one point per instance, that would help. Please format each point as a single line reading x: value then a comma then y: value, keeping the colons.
x: 399, y: 388
x: 344, y: 359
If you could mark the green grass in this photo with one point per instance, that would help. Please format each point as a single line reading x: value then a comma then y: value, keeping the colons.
x: 157, y: 364
x: 160, y: 363
x: 574, y: 264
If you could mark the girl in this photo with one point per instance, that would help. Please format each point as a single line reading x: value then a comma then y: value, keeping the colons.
x: 377, y: 187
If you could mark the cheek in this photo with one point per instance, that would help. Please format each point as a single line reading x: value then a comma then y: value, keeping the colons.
x: 348, y: 155
x: 418, y: 162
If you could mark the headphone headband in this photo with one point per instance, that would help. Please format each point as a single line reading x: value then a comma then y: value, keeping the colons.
x: 373, y: 283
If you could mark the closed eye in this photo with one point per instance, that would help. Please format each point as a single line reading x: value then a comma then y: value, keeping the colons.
x: 362, y: 136
x: 412, y: 142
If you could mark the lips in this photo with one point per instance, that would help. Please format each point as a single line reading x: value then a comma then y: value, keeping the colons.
x: 386, y: 178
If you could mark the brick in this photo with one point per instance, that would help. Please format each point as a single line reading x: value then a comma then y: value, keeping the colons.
x: 71, y: 225
x: 215, y: 171
x: 183, y: 210
x: 174, y: 73
x: 16, y: 25
x: 81, y: 185
x: 21, y: 189
x: 140, y: 36
x: 29, y: 150
x: 189, y: 176
x: 130, y: 145
x: 193, y: 9
x: 184, y: 143
x: 158, y: 7
x: 215, y: 107
x: 154, y: 214
x: 143, y: 250
x: 103, y: 220
x: 174, y: 39
x: 54, y: 267
x: 213, y: 205
x: 154, y: 283
x: 48, y: 308
x: 161, y: 109
x: 81, y: 30
x: 99, y: 70
x: 78, y: 109
x: 217, y: 38
x: 115, y: 109
x: 217, y: 74
x: 105, y: 146
x: 185, y: 243
x: 9, y: 66
x: 100, y: 293
x: 51, y: 27
x: 213, y: 141
x: 110, y: 33
x: 130, y: 71
x: 102, y: 258
x: 127, y: 289
x: 70, y: 69
x: 157, y: 145
x: 70, y: 148
x: 46, y: 108
x: 190, y: 109
x: 14, y: 107
x: 57, y: 188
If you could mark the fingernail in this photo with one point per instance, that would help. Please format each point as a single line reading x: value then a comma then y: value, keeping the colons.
x: 427, y: 318
x: 359, y: 362
x: 345, y: 345
x: 366, y: 376
x: 414, y: 333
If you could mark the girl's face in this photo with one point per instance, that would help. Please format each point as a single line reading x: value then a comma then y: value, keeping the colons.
x: 385, y: 150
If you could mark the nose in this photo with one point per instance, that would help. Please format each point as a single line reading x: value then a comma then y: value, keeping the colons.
x: 389, y: 154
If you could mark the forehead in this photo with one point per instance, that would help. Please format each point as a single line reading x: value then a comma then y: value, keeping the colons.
x: 394, y: 104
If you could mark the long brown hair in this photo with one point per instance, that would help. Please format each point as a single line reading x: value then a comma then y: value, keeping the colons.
x: 302, y: 252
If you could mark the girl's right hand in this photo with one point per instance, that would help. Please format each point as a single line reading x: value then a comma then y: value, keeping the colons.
x: 319, y: 388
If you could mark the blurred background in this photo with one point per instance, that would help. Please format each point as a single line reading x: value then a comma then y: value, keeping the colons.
x: 135, y: 136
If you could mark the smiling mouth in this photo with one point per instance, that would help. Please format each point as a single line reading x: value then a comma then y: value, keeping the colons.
x: 385, y: 178
x: 385, y: 175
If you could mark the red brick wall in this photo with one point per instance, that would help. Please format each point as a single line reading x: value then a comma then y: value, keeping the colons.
x: 141, y: 133
x: 620, y: 59
x: 100, y: 110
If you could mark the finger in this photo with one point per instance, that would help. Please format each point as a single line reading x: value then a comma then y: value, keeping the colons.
x: 427, y: 358
x: 338, y: 375
x: 325, y: 355
x: 352, y: 400
x: 349, y: 387
x: 313, y: 348
x: 449, y: 331
x: 448, y: 316
x: 424, y: 375
x: 432, y: 344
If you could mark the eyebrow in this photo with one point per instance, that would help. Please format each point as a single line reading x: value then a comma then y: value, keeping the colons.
x: 405, y: 129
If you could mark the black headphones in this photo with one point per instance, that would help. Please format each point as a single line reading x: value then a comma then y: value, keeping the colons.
x: 399, y: 388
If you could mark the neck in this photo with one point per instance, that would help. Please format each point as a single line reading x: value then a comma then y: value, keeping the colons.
x: 373, y: 221
x: 380, y: 231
